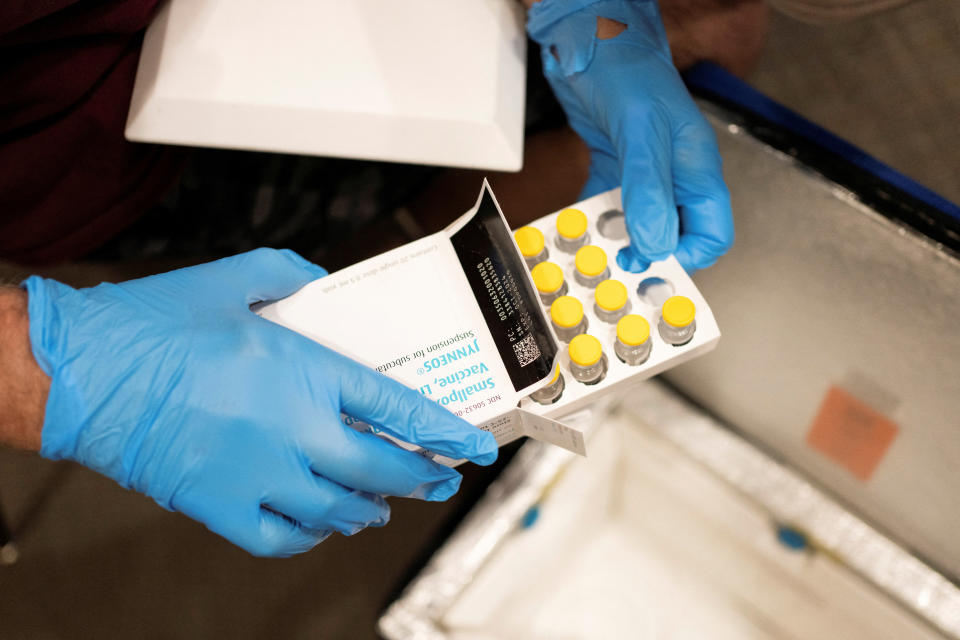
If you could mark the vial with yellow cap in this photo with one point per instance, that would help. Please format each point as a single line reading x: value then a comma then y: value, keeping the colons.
x: 572, y: 230
x: 548, y: 277
x: 677, y: 320
x: 591, y: 266
x: 532, y: 246
x: 566, y: 312
x: 587, y: 362
x: 610, y: 301
x: 633, y: 343
x: 552, y: 392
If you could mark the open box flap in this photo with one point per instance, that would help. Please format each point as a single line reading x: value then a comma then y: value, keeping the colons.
x: 505, y: 293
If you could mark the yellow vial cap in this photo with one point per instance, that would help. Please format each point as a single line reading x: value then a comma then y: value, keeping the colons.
x: 610, y: 295
x: 591, y: 260
x: 547, y: 276
x: 585, y: 350
x: 566, y: 311
x: 633, y: 330
x: 571, y: 223
x: 679, y: 311
x: 530, y: 241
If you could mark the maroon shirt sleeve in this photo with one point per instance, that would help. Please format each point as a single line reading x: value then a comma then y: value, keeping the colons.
x: 68, y: 179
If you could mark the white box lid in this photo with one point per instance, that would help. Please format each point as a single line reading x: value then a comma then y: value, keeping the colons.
x: 421, y: 81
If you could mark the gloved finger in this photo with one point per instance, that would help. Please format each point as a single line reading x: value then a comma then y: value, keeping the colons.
x: 645, y: 148
x: 402, y: 412
x: 268, y: 534
x: 369, y: 463
x: 319, y: 504
x: 280, y: 537
x: 604, y: 173
x: 705, y: 214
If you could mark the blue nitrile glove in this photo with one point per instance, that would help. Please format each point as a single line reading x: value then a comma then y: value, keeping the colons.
x: 171, y: 386
x: 624, y: 97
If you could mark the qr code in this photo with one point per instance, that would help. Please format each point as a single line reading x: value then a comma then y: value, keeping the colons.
x: 527, y: 350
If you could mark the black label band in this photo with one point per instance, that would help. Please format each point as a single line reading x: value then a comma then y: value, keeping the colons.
x: 510, y: 306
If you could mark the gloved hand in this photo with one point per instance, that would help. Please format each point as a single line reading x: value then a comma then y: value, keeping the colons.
x: 171, y: 386
x: 624, y: 97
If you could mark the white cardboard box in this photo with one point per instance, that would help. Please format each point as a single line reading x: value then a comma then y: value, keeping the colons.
x: 454, y: 315
x: 421, y: 81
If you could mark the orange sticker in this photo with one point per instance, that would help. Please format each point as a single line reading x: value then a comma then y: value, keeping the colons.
x: 851, y: 433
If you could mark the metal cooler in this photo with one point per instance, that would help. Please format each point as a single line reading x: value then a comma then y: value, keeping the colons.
x: 798, y: 482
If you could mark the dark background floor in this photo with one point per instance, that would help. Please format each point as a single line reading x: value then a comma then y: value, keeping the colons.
x: 101, y: 562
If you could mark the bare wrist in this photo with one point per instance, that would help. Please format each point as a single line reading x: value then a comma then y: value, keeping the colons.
x: 24, y: 386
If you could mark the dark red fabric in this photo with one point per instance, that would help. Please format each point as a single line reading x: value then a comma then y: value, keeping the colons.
x: 68, y: 179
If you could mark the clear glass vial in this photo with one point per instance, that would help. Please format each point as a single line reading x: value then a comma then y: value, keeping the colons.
x: 591, y: 266
x: 552, y: 391
x: 548, y: 278
x: 587, y: 362
x: 611, y: 301
x: 572, y: 230
x: 677, y: 320
x: 633, y: 343
x: 532, y: 245
x: 566, y: 312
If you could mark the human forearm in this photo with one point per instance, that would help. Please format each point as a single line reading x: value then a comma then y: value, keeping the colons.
x: 23, y: 384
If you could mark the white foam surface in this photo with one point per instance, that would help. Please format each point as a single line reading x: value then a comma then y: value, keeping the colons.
x: 638, y: 541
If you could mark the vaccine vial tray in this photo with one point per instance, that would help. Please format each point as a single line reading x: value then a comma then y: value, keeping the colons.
x: 456, y: 315
x: 607, y: 230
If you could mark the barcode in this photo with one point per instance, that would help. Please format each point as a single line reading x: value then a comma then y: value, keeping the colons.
x: 527, y: 350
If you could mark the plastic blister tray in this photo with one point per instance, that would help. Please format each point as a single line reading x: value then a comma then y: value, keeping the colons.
x: 455, y: 316
x: 646, y: 293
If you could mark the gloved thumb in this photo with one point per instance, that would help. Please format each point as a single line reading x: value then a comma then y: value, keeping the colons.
x: 648, y: 198
x: 604, y: 173
x: 270, y: 274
